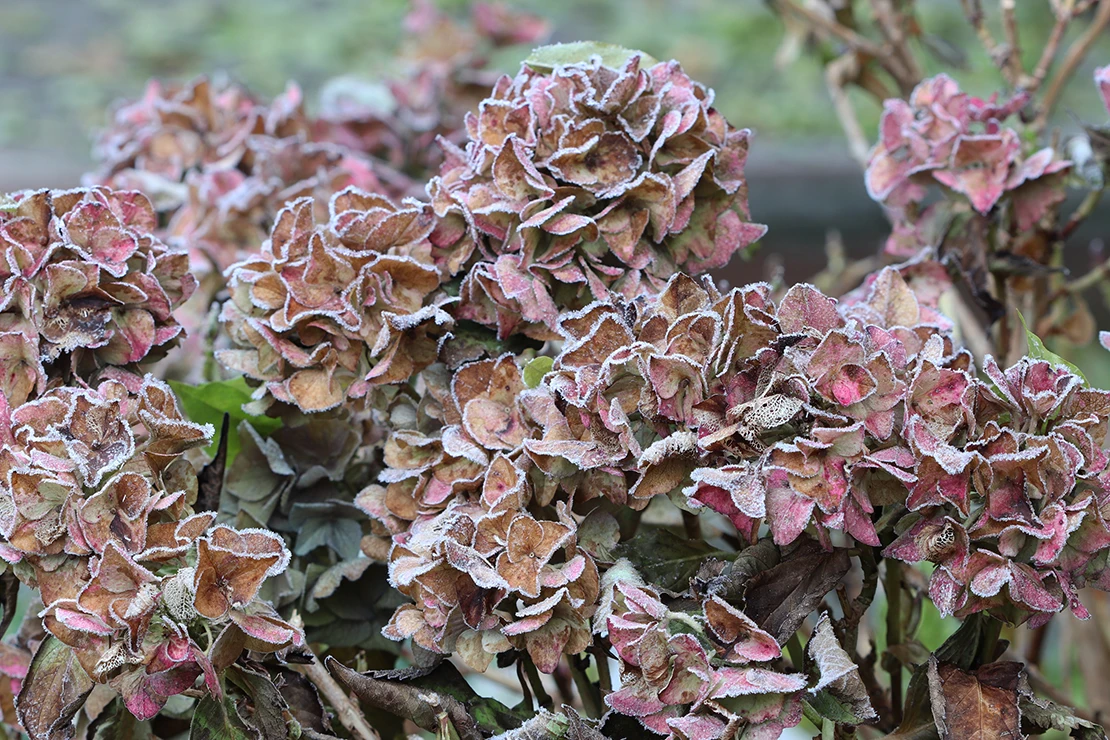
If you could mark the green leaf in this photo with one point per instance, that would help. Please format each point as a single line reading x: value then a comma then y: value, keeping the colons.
x: 122, y: 725
x: 536, y: 369
x: 218, y: 720
x: 208, y: 402
x: 829, y: 707
x: 1038, y: 351
x: 341, y: 535
x: 665, y: 559
x: 547, y: 58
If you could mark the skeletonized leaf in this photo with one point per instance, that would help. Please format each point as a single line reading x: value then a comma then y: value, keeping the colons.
x: 54, y: 690
x: 550, y: 726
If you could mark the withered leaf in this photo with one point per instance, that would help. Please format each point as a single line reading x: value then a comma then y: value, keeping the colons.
x: 730, y: 580
x: 961, y: 649
x: 122, y: 725
x: 975, y: 706
x: 837, y: 675
x: 9, y: 596
x: 54, y: 690
x: 421, y: 706
x: 303, y: 700
x: 1041, y: 715
x: 781, y: 598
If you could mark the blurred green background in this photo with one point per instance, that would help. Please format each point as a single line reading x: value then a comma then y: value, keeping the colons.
x: 62, y: 62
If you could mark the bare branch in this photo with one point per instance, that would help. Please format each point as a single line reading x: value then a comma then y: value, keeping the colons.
x: 892, y: 25
x: 838, y: 74
x: 1072, y: 60
x: 348, y: 713
x: 1013, y: 53
x: 974, y: 12
x: 1064, y: 14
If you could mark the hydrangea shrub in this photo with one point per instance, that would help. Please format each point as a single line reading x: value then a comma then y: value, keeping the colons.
x: 484, y: 407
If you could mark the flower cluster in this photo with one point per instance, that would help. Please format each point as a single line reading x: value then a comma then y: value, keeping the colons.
x: 484, y: 572
x: 86, y: 285
x: 220, y: 164
x: 1010, y: 488
x: 489, y: 576
x: 582, y: 181
x: 943, y: 136
x: 697, y: 676
x: 815, y: 414
x: 445, y: 76
x: 331, y: 307
x: 96, y: 512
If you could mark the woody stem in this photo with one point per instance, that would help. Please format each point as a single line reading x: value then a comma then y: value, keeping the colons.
x: 543, y: 699
x: 892, y: 584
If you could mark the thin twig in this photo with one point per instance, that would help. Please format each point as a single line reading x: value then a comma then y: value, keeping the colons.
x: 691, y: 523
x: 348, y: 713
x: 587, y: 690
x: 543, y: 699
x: 1085, y: 209
x: 974, y: 12
x: 1072, y: 59
x: 837, y: 74
x: 974, y: 335
x: 890, y: 24
x: 1048, y: 55
x: 601, y: 658
x: 1013, y: 53
x: 847, y: 35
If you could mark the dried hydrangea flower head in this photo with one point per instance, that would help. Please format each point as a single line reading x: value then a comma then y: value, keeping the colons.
x: 87, y: 285
x: 811, y: 414
x: 96, y: 513
x: 580, y: 181
x: 445, y: 75
x: 487, y: 577
x: 220, y: 164
x: 330, y: 308
x: 1010, y: 481
x: 942, y: 136
x: 710, y: 672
